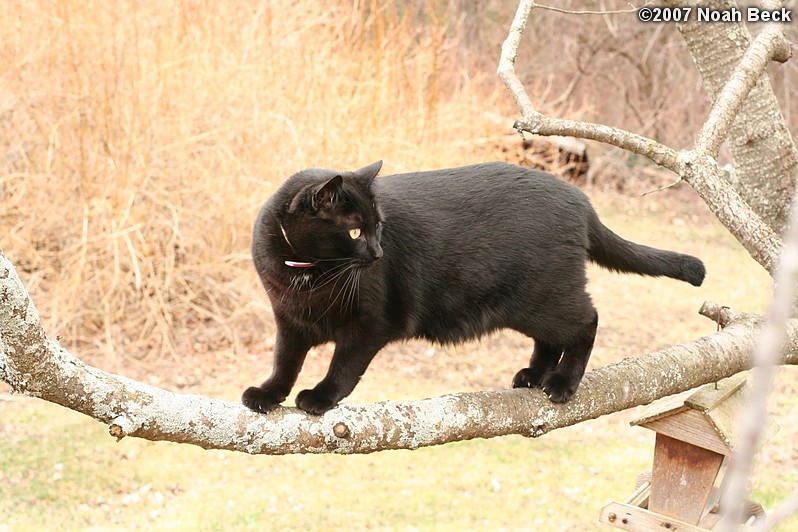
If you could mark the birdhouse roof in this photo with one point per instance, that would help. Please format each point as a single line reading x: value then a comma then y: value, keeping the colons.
x: 707, y: 417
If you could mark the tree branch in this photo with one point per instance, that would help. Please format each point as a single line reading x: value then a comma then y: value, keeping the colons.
x: 508, y: 56
x: 707, y: 179
x: 769, y: 45
x: 759, y: 140
x: 536, y: 123
x: 35, y: 365
x: 698, y: 167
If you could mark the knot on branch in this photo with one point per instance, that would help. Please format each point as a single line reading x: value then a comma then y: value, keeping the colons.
x: 526, y: 123
x: 782, y: 48
x: 120, y: 427
x: 341, y: 430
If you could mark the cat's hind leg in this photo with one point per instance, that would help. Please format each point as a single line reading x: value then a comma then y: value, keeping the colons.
x: 544, y: 359
x: 561, y: 383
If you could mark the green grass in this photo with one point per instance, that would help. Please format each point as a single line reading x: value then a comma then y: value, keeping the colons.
x: 75, y: 476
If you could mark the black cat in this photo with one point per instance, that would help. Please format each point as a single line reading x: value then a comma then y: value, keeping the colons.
x: 445, y: 255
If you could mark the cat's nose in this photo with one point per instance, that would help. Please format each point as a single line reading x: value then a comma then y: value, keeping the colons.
x: 376, y: 251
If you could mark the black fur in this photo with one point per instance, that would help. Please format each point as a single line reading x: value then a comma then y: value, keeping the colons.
x: 445, y: 255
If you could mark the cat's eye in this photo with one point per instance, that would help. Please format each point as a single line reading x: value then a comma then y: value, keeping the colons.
x: 354, y: 233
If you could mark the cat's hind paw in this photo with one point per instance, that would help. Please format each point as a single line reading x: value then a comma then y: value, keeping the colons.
x: 260, y: 400
x: 527, y: 378
x: 559, y: 388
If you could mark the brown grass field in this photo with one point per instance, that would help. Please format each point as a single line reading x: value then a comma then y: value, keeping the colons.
x: 139, y: 140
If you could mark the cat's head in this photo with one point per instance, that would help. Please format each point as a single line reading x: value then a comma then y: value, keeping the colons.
x: 333, y: 218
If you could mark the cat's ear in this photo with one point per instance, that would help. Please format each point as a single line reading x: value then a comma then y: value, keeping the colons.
x: 368, y: 173
x: 324, y: 195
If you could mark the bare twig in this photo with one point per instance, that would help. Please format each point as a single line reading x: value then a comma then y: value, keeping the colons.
x: 664, y: 187
x: 630, y: 9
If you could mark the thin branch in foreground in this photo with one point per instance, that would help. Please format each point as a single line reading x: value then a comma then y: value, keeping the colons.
x: 37, y: 366
x: 769, y: 347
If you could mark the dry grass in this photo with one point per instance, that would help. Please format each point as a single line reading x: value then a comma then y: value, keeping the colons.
x: 140, y: 139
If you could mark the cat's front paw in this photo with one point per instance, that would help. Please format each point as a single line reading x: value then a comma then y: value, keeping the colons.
x: 527, y: 378
x: 559, y: 388
x: 314, y: 401
x: 260, y: 400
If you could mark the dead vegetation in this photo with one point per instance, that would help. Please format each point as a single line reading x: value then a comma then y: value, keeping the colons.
x: 139, y: 145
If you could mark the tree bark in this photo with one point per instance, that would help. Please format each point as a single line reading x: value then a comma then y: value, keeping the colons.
x: 765, y: 157
x: 35, y: 365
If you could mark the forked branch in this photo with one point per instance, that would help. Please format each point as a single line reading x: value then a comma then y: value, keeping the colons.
x: 698, y: 167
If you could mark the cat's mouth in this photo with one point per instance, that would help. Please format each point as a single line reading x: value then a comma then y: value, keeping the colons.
x: 297, y: 264
x: 356, y: 263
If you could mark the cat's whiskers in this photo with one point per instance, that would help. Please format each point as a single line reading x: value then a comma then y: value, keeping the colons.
x: 354, y: 290
x: 344, y: 259
x: 299, y: 281
x: 350, y: 285
x: 310, y: 285
x: 330, y: 276
x: 346, y: 290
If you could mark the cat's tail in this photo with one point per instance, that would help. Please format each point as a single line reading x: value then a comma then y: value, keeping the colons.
x: 611, y: 251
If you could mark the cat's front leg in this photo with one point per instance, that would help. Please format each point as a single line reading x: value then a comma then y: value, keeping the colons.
x: 349, y: 363
x: 290, y: 349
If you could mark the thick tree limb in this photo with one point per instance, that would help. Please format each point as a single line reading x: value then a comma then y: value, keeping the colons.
x: 698, y: 167
x: 33, y: 364
x: 764, y: 154
x: 769, y: 45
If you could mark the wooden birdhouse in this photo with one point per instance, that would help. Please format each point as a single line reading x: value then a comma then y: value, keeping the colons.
x: 695, y: 437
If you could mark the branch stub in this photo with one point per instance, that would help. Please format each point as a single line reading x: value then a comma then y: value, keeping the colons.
x: 341, y: 430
